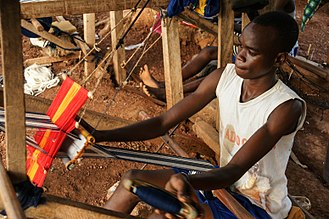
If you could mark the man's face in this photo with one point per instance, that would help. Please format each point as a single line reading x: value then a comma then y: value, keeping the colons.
x: 257, y: 52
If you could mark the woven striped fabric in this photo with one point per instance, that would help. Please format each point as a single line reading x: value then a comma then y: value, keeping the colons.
x: 64, y: 108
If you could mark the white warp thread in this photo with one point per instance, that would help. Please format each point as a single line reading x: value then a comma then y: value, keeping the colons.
x: 38, y: 78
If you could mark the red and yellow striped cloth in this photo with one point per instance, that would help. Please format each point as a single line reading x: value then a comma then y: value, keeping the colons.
x: 64, y: 108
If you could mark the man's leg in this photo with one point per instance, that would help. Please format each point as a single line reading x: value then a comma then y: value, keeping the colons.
x: 193, y: 67
x: 123, y: 200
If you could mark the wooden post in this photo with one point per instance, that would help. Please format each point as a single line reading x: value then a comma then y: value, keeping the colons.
x: 172, y: 61
x: 245, y: 21
x: 89, y: 36
x: 12, y: 69
x: 8, y: 196
x: 225, y: 37
x: 119, y: 54
x: 225, y: 33
x: 326, y: 166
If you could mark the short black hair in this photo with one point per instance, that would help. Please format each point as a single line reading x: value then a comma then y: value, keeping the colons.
x: 286, y: 26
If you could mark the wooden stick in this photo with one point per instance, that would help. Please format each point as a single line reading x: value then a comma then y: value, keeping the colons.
x: 8, y: 195
x: 156, y: 101
x: 48, y: 8
x: 37, y: 24
x: 231, y: 203
x: 48, y: 36
x: 323, y: 73
x: 166, y: 138
x: 50, y: 59
x: 193, y: 18
x: 198, y: 21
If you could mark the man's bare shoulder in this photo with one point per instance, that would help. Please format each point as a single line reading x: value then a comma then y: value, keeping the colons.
x: 286, y: 116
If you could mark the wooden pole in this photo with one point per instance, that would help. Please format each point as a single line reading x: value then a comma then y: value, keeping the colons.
x: 225, y: 33
x: 326, y: 166
x: 8, y: 196
x: 35, y: 9
x: 231, y: 203
x: 172, y: 61
x: 119, y: 54
x: 322, y: 73
x: 89, y: 36
x: 225, y: 38
x: 48, y: 36
x: 12, y: 69
x: 245, y: 21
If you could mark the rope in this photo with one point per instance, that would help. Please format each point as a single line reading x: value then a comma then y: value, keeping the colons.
x: 120, y: 42
x: 96, y: 44
x: 38, y: 78
x: 108, y: 56
x: 143, y: 43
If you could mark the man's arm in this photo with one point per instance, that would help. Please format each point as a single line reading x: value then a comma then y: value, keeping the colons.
x: 159, y: 125
x: 282, y: 121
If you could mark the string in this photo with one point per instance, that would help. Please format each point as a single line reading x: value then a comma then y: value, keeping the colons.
x: 96, y: 44
x: 144, y: 41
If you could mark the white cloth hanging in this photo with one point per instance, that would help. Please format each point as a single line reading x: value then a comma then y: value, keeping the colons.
x: 38, y: 78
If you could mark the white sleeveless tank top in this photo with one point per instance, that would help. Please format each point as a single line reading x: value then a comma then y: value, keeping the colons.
x: 265, y: 184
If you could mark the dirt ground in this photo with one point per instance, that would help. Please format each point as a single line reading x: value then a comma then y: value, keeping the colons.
x: 90, y: 180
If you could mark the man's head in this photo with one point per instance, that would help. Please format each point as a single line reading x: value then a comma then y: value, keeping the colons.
x: 265, y: 43
x: 286, y: 28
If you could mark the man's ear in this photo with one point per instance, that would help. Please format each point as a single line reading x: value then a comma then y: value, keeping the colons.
x: 280, y: 59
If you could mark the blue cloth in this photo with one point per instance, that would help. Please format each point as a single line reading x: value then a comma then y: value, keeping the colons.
x: 177, y: 6
x: 219, y: 210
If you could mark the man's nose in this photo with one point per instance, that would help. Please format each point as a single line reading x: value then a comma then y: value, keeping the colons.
x: 241, y: 56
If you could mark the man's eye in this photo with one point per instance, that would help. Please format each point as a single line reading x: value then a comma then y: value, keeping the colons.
x: 252, y: 53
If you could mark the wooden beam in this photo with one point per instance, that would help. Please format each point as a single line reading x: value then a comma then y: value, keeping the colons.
x: 89, y: 36
x: 119, y: 54
x: 208, y: 134
x: 48, y: 36
x: 225, y: 37
x: 193, y: 18
x: 50, y: 59
x: 12, y: 69
x: 172, y: 61
x: 231, y: 203
x: 245, y: 21
x: 8, y: 196
x: 311, y: 67
x: 36, y: 9
x: 198, y: 21
x: 56, y: 207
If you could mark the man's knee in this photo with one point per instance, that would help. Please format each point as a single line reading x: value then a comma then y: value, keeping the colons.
x: 131, y: 174
x: 210, y: 52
